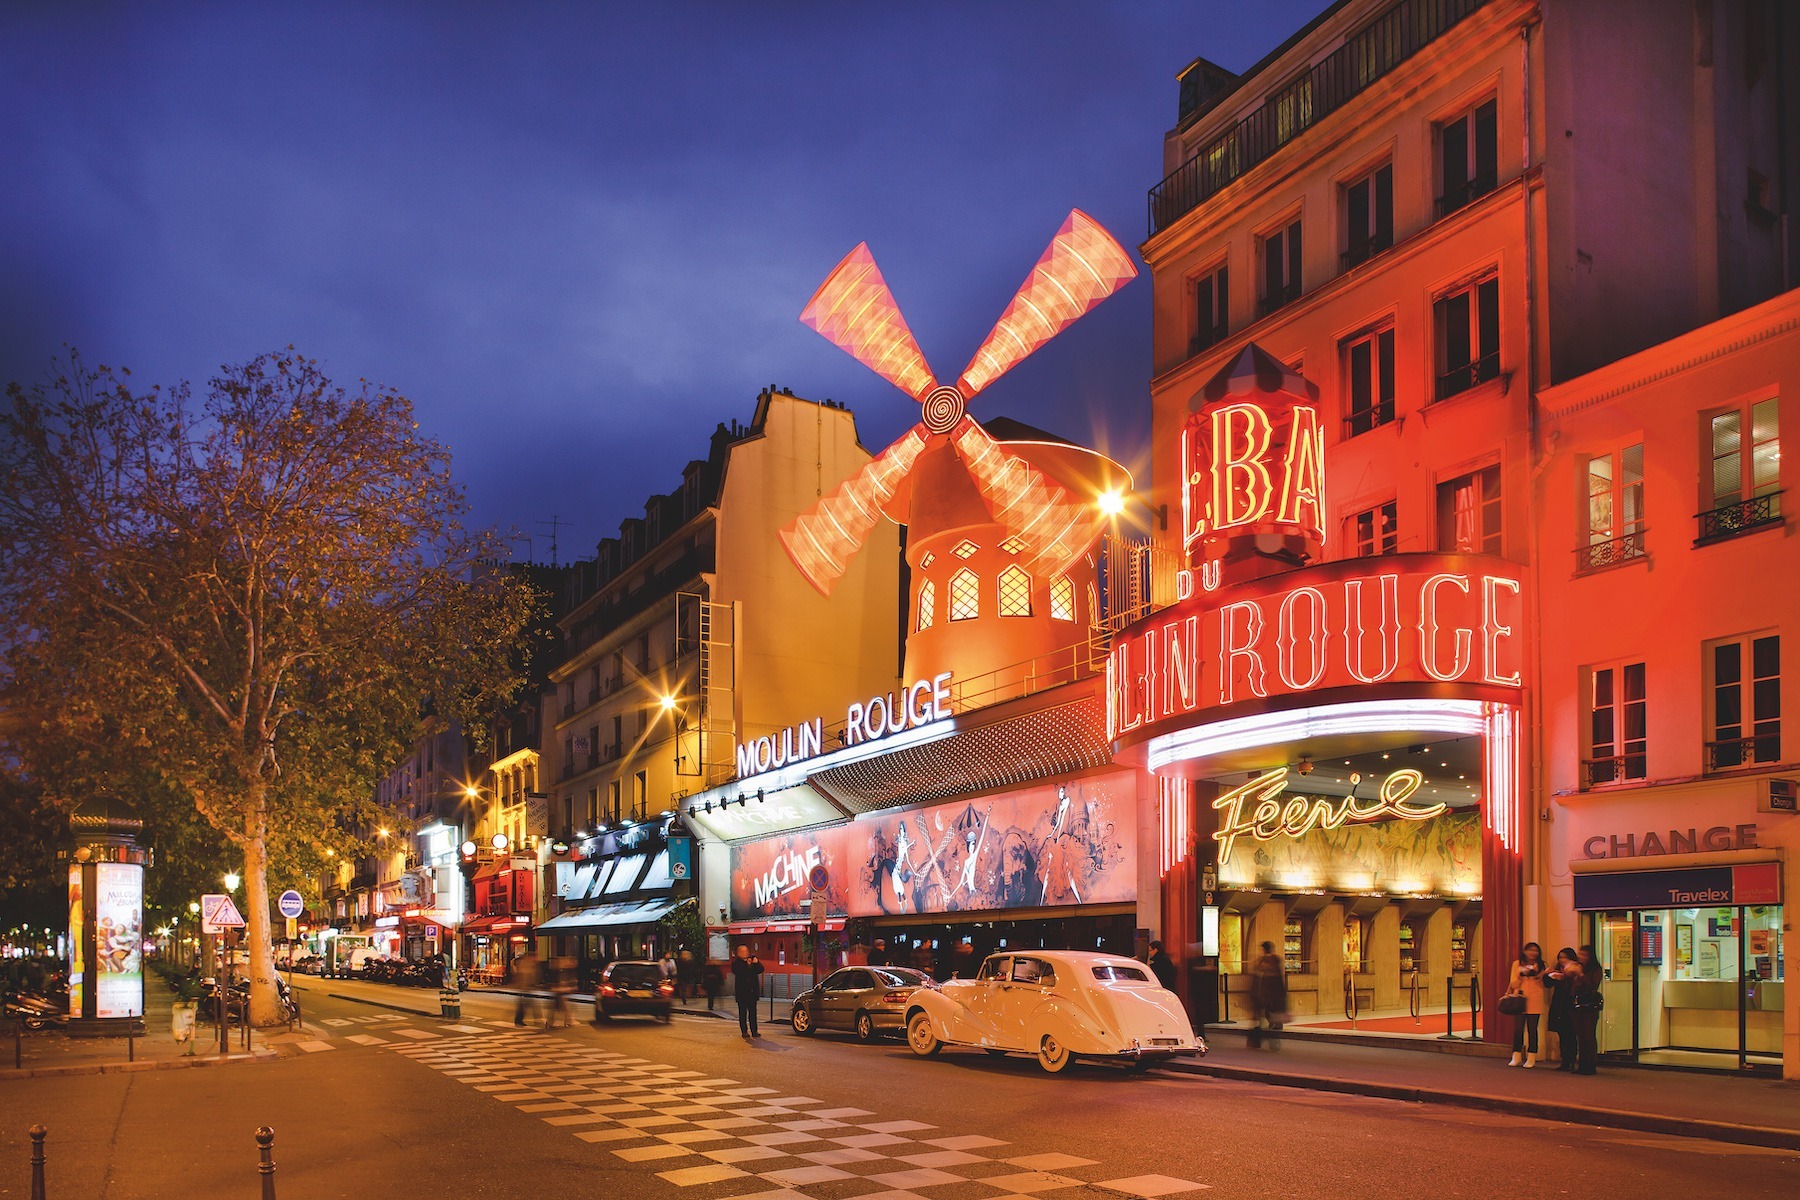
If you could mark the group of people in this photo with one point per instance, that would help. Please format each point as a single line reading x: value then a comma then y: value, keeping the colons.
x: 1563, y: 998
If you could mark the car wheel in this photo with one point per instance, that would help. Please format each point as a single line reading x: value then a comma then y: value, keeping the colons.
x: 865, y: 1027
x: 1053, y: 1056
x: 801, y: 1019
x: 921, y: 1038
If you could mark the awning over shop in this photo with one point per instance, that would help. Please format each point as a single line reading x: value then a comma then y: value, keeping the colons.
x: 745, y: 928
x: 609, y: 916
x: 488, y: 925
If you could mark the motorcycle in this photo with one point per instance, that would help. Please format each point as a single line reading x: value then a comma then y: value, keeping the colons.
x: 34, y: 1011
x: 237, y: 1001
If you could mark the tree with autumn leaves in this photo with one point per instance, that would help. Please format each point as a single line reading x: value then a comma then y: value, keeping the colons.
x: 254, y: 596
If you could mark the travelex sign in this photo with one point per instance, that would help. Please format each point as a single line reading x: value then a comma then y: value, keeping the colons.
x: 1427, y: 619
x: 1695, y: 887
x: 920, y: 703
x: 1269, y: 816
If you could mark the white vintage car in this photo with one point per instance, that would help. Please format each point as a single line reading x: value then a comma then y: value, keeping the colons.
x: 1056, y: 1004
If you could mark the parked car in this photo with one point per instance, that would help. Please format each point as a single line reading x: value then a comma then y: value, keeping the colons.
x: 1058, y: 1005
x: 868, y: 1001
x: 633, y: 987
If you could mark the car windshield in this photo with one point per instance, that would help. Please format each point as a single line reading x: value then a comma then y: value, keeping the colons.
x: 901, y: 977
x: 634, y: 975
x: 1119, y: 972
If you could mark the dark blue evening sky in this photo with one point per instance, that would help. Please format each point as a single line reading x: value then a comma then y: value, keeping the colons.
x: 578, y: 236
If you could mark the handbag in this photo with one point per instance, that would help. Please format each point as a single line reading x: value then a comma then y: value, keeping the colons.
x: 1512, y: 1004
x: 1590, y: 999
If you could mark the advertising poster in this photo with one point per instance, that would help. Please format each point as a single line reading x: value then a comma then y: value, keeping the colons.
x: 1056, y: 844
x: 77, y: 962
x: 119, y: 940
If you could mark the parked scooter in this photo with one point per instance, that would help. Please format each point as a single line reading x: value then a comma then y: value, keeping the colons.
x: 35, y: 1011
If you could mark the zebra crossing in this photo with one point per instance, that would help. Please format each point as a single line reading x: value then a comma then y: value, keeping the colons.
x: 752, y: 1143
x: 392, y: 1027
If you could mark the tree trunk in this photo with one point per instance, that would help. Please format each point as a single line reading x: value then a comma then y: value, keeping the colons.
x: 264, y: 1003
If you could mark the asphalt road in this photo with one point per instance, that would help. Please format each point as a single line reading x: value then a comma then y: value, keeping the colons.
x: 382, y: 1103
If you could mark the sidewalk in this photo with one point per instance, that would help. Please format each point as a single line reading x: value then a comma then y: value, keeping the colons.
x: 53, y: 1052
x: 1752, y: 1110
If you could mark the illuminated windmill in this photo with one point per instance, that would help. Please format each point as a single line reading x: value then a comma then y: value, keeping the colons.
x: 947, y: 475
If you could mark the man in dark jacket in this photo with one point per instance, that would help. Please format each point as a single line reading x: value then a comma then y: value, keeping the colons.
x: 1161, y: 965
x: 746, y: 982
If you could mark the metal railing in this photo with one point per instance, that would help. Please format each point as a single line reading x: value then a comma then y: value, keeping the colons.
x: 1206, y: 339
x: 1726, y: 753
x: 1450, y: 1034
x: 1742, y: 516
x: 1361, y: 250
x: 1415, y: 998
x: 1366, y: 56
x: 1613, y: 768
x: 1597, y: 556
x: 1280, y: 298
x: 1471, y: 190
x: 1470, y: 375
x: 1361, y: 420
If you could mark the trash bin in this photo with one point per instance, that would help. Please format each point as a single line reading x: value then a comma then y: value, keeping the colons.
x: 450, y: 1003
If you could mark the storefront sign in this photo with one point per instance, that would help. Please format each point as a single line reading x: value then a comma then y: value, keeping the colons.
x: 1272, y: 817
x: 1427, y: 619
x: 1696, y: 887
x: 1054, y: 844
x: 758, y: 816
x: 1678, y: 841
x: 924, y: 701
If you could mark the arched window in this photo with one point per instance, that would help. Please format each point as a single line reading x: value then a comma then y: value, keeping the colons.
x: 1062, y: 599
x: 965, y: 596
x: 927, y: 604
x: 1015, y: 592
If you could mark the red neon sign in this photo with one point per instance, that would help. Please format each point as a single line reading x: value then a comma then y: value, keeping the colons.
x: 1427, y: 619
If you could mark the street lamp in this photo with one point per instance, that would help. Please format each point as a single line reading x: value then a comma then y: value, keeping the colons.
x: 231, y: 881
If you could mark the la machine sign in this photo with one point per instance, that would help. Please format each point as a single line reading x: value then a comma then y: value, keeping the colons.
x: 1425, y: 619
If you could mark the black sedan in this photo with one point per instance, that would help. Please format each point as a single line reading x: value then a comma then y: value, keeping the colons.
x: 866, y: 1001
x: 633, y: 987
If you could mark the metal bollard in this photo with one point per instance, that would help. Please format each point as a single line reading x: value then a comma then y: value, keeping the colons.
x: 1449, y: 1008
x: 130, y: 1039
x: 1474, y: 1007
x: 38, y: 1134
x: 265, y: 1143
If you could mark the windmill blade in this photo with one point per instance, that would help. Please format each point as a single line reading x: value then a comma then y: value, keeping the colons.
x: 1082, y: 267
x: 1033, y: 507
x: 822, y: 542
x: 854, y: 311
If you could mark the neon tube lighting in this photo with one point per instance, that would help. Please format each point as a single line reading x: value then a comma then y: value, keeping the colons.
x: 1269, y: 729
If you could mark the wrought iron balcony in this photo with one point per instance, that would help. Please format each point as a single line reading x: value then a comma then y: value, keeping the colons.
x: 1474, y: 189
x: 1469, y: 375
x: 1597, y: 772
x: 1363, y: 249
x: 1743, y: 516
x: 1372, y: 52
x: 1277, y: 299
x: 1362, y: 420
x: 1598, y: 556
x: 1206, y: 339
x: 1726, y: 753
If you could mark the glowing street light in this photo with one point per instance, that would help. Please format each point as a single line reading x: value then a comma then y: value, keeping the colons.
x: 1112, y: 503
x: 667, y: 702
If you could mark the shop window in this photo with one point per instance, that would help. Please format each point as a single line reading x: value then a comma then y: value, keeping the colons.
x: 1467, y: 324
x: 1015, y: 592
x: 1062, y: 599
x: 1281, y: 267
x: 1412, y: 946
x: 1212, y: 310
x: 1369, y: 215
x: 1615, y: 509
x: 1296, y: 945
x: 1374, y: 531
x: 1459, y: 947
x: 1744, y: 680
x: 1355, y: 928
x: 1469, y: 513
x: 1468, y: 156
x: 1618, y: 731
x: 1745, y: 489
x: 1369, y: 373
x: 927, y: 604
x: 965, y: 596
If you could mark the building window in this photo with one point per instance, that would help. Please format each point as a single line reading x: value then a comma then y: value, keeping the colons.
x: 593, y: 807
x: 1615, y: 509
x: 1062, y: 599
x: 1374, y: 530
x: 640, y: 795
x: 1617, y: 732
x: 1468, y: 336
x: 1369, y: 215
x: 1212, y: 310
x: 965, y: 596
x: 1015, y: 592
x: 1746, y: 471
x: 1468, y: 156
x: 1469, y: 513
x: 927, y: 604
x: 965, y: 549
x: 1013, y: 545
x: 1745, y: 679
x: 613, y: 812
x: 1293, y: 109
x: 1369, y: 367
x: 927, y: 559
x: 1281, y: 267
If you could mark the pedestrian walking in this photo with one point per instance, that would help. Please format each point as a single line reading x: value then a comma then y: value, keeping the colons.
x: 878, y: 954
x: 666, y: 964
x: 746, y: 980
x: 562, y: 982
x: 1527, y: 982
x: 1268, y: 996
x: 687, y: 975
x: 525, y: 976
x: 1588, y: 1002
x: 1161, y: 965
x: 1559, y: 1018
x: 712, y: 979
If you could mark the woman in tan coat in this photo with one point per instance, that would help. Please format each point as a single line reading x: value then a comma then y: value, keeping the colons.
x: 1528, y: 981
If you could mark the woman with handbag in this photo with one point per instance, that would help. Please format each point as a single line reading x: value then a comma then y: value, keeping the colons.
x: 1560, y: 1018
x: 1588, y: 1001
x: 1527, y: 983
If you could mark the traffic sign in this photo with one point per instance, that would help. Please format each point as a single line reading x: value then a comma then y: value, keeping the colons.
x: 293, y: 929
x: 819, y: 877
x: 218, y: 913
x: 291, y: 904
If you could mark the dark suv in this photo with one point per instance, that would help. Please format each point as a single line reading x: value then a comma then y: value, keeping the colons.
x: 633, y: 987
